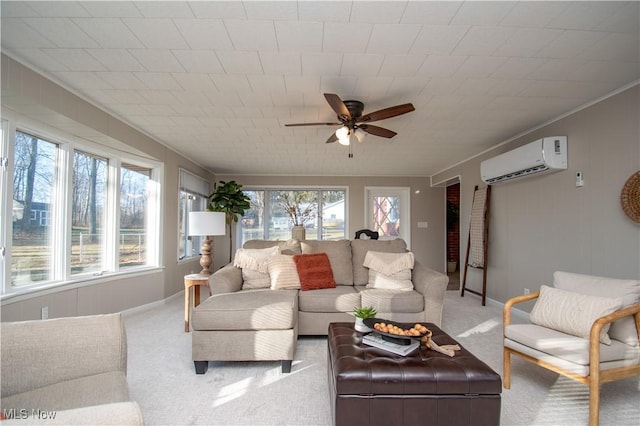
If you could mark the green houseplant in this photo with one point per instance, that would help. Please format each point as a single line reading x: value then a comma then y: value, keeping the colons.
x: 228, y: 197
x: 362, y: 314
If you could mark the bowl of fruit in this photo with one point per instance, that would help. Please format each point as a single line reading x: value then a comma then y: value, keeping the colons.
x: 397, y: 332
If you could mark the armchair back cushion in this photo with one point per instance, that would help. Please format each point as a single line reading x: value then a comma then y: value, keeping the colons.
x: 628, y: 291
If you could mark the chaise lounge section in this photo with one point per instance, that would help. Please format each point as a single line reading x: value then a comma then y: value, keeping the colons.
x: 238, y: 323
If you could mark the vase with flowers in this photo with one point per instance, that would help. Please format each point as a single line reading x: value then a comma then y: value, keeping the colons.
x: 300, y: 206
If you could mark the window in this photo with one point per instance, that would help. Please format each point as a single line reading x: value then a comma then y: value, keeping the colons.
x: 193, y: 198
x: 65, y: 224
x: 387, y: 212
x: 321, y: 211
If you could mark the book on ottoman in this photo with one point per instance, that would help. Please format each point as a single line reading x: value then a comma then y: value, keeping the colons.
x: 377, y: 341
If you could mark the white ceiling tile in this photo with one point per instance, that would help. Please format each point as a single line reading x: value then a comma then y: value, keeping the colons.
x: 198, y: 61
x: 297, y: 83
x: 75, y: 59
x: 59, y: 9
x: 156, y: 33
x: 346, y: 38
x: 571, y: 44
x: 392, y: 38
x: 85, y: 80
x: 401, y: 65
x: 367, y: 85
x: 158, y: 97
x: 329, y: 11
x: 122, y: 80
x: 158, y: 81
x: 359, y: 64
x: 231, y: 83
x: 557, y: 69
x: 164, y: 9
x: 604, y: 71
x: 405, y: 86
x: 16, y: 34
x: 17, y: 9
x: 430, y: 12
x: 481, y: 13
x: 296, y: 36
x: 204, y: 33
x: 266, y: 83
x: 62, y: 32
x: 191, y: 81
x: 287, y: 63
x: 614, y: 47
x: 480, y: 66
x: 624, y: 19
x: 320, y: 64
x: 116, y: 59
x: 517, y: 68
x: 238, y: 62
x: 271, y: 10
x: 527, y: 42
x: 483, y: 40
x: 287, y: 100
x: 438, y: 39
x: 109, y: 33
x: 252, y: 35
x: 157, y: 60
x: 218, y: 9
x: 343, y: 86
x: 225, y: 99
x: 533, y: 14
x: 218, y: 112
x: 583, y: 15
x: 441, y: 66
x: 192, y: 97
x: 112, y: 9
x: 377, y: 11
x: 125, y: 97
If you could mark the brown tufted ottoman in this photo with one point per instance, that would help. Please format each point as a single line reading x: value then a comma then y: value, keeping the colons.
x: 370, y: 386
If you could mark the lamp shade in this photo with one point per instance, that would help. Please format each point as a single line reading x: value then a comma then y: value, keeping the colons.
x: 207, y: 223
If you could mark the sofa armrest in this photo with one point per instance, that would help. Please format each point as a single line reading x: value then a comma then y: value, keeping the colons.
x: 432, y: 285
x: 226, y: 280
x: 44, y: 352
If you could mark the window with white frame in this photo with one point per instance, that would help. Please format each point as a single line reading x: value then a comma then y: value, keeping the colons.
x: 322, y: 212
x: 192, y: 198
x: 77, y: 210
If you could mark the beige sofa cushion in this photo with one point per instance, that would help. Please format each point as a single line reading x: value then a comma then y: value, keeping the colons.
x: 393, y: 301
x: 339, y: 299
x: 339, y: 253
x: 359, y: 249
x: 286, y: 247
x: 262, y: 309
x: 628, y: 291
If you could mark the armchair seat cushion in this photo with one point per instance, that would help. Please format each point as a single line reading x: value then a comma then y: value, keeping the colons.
x: 565, y: 346
x: 393, y: 301
x: 339, y: 299
x: 261, y: 309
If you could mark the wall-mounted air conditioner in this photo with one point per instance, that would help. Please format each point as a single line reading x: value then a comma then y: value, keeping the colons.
x: 544, y: 155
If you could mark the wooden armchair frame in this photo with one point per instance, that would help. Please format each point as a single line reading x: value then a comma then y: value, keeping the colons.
x: 596, y: 376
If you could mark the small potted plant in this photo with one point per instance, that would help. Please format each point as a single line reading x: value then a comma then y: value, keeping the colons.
x: 362, y: 314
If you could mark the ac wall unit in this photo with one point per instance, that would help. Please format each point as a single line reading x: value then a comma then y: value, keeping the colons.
x: 542, y: 156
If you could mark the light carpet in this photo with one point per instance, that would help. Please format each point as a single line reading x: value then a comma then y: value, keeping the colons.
x: 162, y: 378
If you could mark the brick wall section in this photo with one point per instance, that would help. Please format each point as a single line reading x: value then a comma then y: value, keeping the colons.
x: 453, y: 236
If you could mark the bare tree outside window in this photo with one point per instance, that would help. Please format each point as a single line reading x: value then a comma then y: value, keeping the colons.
x: 134, y: 202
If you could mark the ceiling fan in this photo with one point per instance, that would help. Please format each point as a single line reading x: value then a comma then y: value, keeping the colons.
x: 353, y: 123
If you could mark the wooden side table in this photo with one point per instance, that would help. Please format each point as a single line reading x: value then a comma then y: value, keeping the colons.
x: 195, y: 281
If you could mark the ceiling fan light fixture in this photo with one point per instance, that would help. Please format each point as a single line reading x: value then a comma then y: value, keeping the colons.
x: 360, y: 134
x: 343, y: 135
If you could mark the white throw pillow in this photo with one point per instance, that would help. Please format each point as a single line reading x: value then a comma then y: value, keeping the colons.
x: 389, y: 271
x: 628, y: 291
x: 283, y: 272
x: 253, y: 262
x: 572, y: 313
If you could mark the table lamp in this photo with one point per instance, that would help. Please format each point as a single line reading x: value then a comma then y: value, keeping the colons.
x: 207, y: 224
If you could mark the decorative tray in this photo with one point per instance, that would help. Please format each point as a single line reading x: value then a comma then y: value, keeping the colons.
x: 401, y: 339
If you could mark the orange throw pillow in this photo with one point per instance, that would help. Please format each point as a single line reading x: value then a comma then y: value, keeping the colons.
x: 314, y: 271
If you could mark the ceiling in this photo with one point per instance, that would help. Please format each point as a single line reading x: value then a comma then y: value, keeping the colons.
x: 217, y: 81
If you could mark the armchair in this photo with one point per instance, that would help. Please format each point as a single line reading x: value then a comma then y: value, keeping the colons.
x: 582, y: 358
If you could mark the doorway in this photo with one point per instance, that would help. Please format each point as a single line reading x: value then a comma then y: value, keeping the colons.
x: 453, y: 235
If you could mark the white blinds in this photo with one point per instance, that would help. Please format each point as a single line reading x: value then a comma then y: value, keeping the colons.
x: 194, y: 184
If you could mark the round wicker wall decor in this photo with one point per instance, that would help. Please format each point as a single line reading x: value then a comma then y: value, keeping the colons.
x: 630, y: 197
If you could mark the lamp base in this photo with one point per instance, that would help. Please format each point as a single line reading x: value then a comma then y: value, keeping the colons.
x: 205, y: 259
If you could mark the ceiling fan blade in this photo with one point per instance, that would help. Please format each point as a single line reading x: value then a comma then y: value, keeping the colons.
x: 312, y: 124
x: 386, y: 113
x: 338, y: 106
x: 378, y: 131
x: 333, y: 138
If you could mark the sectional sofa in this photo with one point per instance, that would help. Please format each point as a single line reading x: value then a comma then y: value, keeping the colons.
x: 260, y: 322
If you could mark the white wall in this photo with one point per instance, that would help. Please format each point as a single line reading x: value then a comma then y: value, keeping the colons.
x: 542, y: 224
